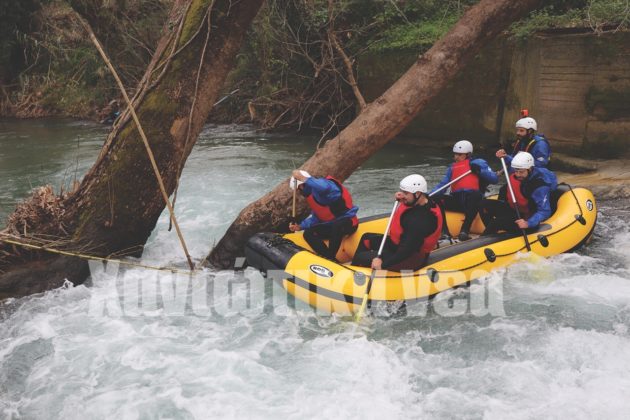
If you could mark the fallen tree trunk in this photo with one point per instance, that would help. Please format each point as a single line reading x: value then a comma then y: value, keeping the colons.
x: 118, y: 203
x: 381, y: 121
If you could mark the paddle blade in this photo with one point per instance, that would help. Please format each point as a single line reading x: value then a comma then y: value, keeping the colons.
x: 540, y: 270
x: 359, y: 314
x: 530, y: 256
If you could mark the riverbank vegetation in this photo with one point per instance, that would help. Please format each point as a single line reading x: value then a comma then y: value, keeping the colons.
x: 298, y: 68
x: 49, y: 66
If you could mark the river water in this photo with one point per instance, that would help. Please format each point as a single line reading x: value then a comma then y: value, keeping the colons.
x: 559, y: 349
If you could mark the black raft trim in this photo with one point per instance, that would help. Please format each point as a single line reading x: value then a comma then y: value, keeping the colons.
x: 266, y: 251
x: 323, y: 291
x: 269, y: 251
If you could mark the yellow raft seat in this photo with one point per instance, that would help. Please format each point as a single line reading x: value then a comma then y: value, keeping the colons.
x: 333, y: 287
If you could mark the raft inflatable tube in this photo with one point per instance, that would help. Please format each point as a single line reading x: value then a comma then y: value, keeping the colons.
x: 339, y: 287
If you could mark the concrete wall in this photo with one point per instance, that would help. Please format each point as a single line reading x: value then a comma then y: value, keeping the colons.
x: 577, y: 86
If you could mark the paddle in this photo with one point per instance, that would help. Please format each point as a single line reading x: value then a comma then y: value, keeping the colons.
x: 450, y: 183
x: 293, y: 219
x: 371, y: 280
x: 380, y: 249
x: 518, y: 213
x: 443, y: 210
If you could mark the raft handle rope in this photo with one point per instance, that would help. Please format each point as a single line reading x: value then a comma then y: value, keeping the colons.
x: 578, y: 217
x: 577, y: 202
x: 433, y: 274
x: 546, y: 237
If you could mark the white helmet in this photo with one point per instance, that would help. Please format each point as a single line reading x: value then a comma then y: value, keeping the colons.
x: 522, y: 160
x: 294, y: 183
x: 413, y: 184
x: 527, y: 123
x: 463, y: 146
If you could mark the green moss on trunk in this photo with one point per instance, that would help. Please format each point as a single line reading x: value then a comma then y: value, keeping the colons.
x: 119, y: 201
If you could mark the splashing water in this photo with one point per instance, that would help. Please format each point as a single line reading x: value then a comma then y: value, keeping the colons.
x: 559, y: 351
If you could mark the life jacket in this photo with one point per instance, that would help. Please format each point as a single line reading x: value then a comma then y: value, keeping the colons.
x: 530, y: 144
x: 431, y: 241
x: 396, y: 230
x: 469, y: 182
x: 521, y: 201
x: 336, y: 209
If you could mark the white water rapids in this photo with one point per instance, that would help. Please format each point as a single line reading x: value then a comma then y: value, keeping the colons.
x: 562, y: 349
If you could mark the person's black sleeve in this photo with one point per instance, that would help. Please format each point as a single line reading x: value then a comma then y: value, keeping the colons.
x: 415, y: 229
x: 503, y: 193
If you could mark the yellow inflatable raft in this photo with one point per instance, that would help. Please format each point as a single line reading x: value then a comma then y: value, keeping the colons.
x: 339, y: 288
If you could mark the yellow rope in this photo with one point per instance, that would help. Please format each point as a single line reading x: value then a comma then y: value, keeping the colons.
x: 171, y: 211
x: 93, y: 257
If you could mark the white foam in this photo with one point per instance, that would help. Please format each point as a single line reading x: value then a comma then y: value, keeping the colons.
x: 560, y: 351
